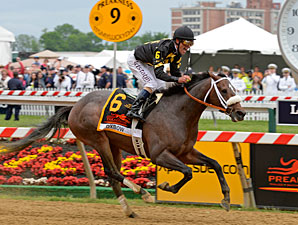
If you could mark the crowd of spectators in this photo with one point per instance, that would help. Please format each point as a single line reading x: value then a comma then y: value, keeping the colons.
x: 72, y: 77
x: 77, y: 77
x: 255, y: 81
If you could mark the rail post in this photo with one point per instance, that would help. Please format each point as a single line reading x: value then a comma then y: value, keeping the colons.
x: 248, y: 194
x: 87, y: 167
x: 272, y: 120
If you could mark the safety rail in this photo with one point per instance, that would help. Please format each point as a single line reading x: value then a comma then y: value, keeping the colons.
x: 209, y: 136
x: 257, y: 107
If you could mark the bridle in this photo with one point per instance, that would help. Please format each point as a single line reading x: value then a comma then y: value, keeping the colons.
x: 225, y: 104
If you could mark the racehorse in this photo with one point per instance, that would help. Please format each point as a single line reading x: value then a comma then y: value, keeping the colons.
x: 169, y: 133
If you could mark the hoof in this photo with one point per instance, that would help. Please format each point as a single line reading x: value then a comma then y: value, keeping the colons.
x: 164, y: 186
x: 225, y: 204
x: 148, y: 198
x: 133, y: 215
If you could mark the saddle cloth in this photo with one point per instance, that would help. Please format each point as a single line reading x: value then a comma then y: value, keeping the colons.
x: 113, y: 116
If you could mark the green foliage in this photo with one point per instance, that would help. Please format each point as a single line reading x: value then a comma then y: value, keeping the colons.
x: 27, y: 43
x: 67, y: 38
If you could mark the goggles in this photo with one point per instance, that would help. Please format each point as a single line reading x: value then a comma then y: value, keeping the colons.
x: 187, y: 43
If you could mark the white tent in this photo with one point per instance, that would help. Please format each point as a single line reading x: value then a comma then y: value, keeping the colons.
x: 239, y: 35
x: 103, y: 58
x: 121, y: 56
x: 6, y: 38
x: 97, y: 62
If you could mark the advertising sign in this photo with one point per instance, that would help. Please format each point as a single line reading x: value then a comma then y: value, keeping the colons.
x: 287, y: 113
x: 275, y: 175
x: 115, y: 21
x: 204, y: 186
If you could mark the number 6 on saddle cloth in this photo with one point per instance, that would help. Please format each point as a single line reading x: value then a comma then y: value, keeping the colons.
x: 113, y: 117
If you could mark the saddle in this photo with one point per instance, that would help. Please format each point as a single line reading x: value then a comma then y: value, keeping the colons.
x: 113, y: 116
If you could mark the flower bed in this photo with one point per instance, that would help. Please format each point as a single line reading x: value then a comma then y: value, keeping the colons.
x: 54, y: 165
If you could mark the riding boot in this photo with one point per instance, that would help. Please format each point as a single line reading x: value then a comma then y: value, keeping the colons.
x: 137, y: 104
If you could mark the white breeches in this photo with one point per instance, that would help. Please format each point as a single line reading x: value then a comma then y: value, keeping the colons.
x: 144, y: 73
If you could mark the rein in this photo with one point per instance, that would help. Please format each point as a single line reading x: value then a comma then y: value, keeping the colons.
x: 202, y: 102
x: 223, y: 102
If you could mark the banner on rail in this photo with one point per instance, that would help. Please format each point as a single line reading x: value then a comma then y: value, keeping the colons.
x: 287, y: 113
x: 205, y: 187
x: 275, y: 175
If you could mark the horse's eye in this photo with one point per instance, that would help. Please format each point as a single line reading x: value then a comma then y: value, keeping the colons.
x: 224, y: 91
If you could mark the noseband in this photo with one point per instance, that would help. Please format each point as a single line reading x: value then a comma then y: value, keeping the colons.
x: 225, y: 104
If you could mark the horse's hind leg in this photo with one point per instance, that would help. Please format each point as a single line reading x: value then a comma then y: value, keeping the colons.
x: 112, y: 172
x: 116, y: 185
x: 197, y: 158
x: 146, y: 196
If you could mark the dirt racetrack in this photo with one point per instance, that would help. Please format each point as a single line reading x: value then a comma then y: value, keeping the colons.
x: 24, y: 212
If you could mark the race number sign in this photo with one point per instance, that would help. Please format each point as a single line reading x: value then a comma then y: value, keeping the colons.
x: 115, y: 20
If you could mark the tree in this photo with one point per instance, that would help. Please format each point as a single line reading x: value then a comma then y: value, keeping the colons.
x: 26, y: 43
x: 66, y: 38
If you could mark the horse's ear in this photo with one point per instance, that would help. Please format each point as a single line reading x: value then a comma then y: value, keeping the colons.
x: 212, y: 75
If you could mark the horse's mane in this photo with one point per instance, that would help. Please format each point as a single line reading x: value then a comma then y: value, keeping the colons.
x: 178, y: 88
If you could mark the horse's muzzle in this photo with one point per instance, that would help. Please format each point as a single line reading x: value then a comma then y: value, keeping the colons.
x: 238, y: 115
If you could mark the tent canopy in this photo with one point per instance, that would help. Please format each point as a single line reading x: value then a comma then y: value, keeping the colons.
x: 45, y: 54
x: 239, y: 35
x: 6, y: 35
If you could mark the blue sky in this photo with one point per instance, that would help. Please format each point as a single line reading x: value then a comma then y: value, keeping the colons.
x: 32, y: 16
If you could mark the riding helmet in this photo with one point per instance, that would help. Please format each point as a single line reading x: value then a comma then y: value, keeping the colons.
x: 184, y: 33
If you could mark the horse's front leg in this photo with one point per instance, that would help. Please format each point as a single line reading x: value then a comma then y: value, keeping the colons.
x: 196, y: 158
x: 168, y: 160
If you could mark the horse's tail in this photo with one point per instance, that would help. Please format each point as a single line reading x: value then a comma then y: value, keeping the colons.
x: 54, y: 122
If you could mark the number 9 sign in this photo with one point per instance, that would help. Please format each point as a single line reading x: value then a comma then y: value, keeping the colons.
x: 115, y: 20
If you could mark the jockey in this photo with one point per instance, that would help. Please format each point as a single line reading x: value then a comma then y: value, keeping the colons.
x: 147, y: 64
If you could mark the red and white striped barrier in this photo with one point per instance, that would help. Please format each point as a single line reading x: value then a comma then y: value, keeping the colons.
x: 20, y: 132
x: 43, y: 93
x: 268, y: 98
x: 211, y: 136
x: 81, y: 94
x: 248, y: 137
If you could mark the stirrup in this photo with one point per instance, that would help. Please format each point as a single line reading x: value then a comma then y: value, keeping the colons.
x: 132, y: 115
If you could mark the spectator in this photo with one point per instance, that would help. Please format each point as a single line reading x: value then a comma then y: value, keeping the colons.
x: 27, y: 73
x: 4, y: 78
x: 32, y: 80
x: 36, y: 61
x: 95, y: 73
x: 14, y: 84
x: 287, y: 83
x: 62, y: 82
x: 49, y: 81
x: 39, y: 82
x: 121, y: 79
x: 237, y: 82
x: 270, y: 81
x: 105, y: 79
x: 243, y: 73
x: 257, y: 73
x: 226, y: 71
x: 211, y: 69
x: 85, y: 79
x: 248, y: 80
x: 12, y: 69
x: 257, y: 84
x: 21, y: 78
x: 46, y: 64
